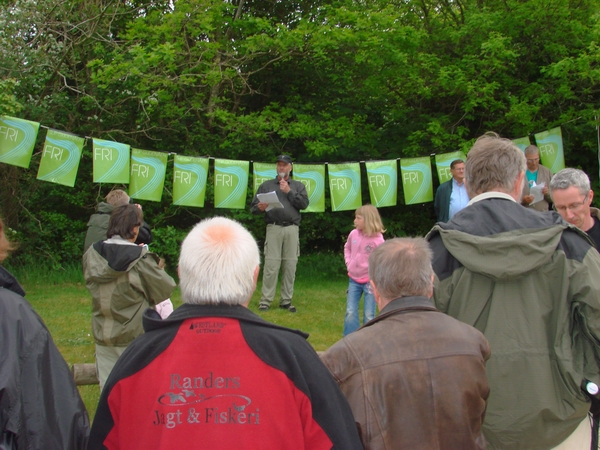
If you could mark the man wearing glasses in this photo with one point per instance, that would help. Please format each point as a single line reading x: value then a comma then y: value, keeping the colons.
x: 572, y: 197
x: 536, y: 174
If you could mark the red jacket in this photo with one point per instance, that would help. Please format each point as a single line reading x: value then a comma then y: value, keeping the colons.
x: 221, y: 377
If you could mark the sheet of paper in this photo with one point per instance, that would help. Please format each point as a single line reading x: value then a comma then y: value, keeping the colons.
x: 271, y: 199
x: 536, y: 191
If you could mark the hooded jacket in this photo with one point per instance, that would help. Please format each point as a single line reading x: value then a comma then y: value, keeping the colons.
x: 531, y: 284
x: 357, y: 250
x: 40, y: 407
x: 220, y: 377
x: 124, y: 279
x: 98, y: 226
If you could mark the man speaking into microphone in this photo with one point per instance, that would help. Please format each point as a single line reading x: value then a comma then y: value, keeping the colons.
x: 282, y: 246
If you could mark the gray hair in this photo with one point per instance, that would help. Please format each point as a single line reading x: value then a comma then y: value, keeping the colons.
x: 531, y: 149
x: 401, y: 267
x: 217, y: 263
x: 566, y: 178
x: 493, y: 163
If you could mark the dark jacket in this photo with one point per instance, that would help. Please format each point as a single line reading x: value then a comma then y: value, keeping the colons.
x: 531, y: 284
x: 98, y: 226
x: 441, y: 204
x: 40, y: 407
x: 415, y: 378
x: 221, y: 377
x: 293, y: 202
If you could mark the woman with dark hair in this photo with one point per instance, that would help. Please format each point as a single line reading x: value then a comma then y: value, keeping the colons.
x: 124, y: 279
x: 40, y: 407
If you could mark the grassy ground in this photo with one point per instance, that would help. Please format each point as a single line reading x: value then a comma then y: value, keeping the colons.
x: 64, y: 303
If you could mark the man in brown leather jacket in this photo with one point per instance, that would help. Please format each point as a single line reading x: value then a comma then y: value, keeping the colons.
x: 414, y: 377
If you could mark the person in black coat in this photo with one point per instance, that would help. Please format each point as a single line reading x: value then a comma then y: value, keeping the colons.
x: 40, y: 407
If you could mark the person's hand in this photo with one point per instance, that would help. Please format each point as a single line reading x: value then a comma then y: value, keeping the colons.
x: 262, y: 205
x: 284, y: 186
x: 545, y: 190
x: 527, y: 199
x: 138, y: 205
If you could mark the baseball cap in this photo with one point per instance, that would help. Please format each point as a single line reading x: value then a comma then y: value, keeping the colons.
x: 285, y: 158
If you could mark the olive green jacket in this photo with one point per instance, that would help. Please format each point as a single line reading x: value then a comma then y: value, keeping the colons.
x: 531, y: 284
x: 124, y: 279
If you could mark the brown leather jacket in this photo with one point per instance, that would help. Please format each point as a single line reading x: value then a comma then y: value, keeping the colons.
x: 415, y: 378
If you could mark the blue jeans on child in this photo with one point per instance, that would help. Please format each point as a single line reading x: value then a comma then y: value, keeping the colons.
x: 355, y: 291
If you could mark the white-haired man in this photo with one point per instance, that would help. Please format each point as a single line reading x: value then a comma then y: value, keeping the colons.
x: 214, y: 374
x: 414, y: 377
x: 572, y: 197
x: 531, y: 283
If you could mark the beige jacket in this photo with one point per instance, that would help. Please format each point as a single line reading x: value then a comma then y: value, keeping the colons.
x: 544, y: 176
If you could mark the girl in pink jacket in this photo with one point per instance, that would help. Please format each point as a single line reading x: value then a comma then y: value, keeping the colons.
x: 366, y: 236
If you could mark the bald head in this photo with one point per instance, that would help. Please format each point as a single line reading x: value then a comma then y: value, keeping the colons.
x: 218, y: 263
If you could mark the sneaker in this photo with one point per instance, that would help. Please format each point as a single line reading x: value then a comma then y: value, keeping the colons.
x: 263, y: 307
x: 291, y: 308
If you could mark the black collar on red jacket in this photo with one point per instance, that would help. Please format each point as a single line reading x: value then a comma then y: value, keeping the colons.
x: 152, y: 321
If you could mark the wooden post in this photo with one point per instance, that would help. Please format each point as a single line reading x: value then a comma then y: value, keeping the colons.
x: 84, y: 374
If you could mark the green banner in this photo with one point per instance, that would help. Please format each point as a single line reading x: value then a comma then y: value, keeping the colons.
x: 344, y: 186
x: 111, y: 162
x: 313, y: 178
x: 262, y: 172
x: 17, y: 139
x: 60, y: 158
x: 382, y: 177
x: 148, y: 170
x: 550, y: 144
x: 522, y: 143
x: 416, y: 180
x: 189, y: 180
x: 442, y: 164
x: 231, y: 183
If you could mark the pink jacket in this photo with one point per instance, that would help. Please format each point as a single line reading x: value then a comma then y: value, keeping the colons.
x: 357, y: 249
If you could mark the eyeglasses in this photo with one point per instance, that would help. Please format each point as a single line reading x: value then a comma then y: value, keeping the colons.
x: 573, y: 206
x: 533, y: 160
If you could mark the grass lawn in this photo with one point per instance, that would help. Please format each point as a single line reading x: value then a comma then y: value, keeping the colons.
x: 64, y: 303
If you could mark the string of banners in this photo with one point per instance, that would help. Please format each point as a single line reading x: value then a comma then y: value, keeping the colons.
x: 145, y: 170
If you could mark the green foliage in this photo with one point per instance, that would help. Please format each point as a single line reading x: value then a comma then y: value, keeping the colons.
x: 166, y: 243
x: 331, y: 81
x: 8, y: 101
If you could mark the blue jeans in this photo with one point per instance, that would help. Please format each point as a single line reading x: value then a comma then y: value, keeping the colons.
x: 355, y: 291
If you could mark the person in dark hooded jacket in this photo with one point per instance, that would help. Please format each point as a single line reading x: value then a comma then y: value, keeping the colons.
x: 124, y: 279
x: 40, y: 407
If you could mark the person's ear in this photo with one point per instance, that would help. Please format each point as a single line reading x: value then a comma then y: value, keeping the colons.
x: 376, y: 295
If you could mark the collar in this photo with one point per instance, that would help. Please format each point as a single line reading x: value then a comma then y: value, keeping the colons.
x: 403, y: 305
x: 491, y: 194
x: 116, y: 239
x: 456, y: 183
x: 152, y: 321
x: 8, y: 281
